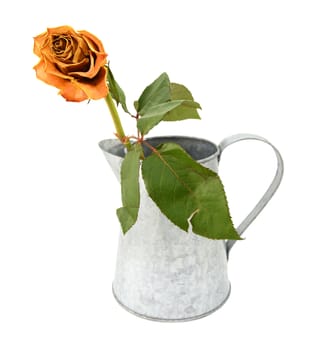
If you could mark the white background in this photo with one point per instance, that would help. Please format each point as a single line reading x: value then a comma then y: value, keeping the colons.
x: 251, y: 66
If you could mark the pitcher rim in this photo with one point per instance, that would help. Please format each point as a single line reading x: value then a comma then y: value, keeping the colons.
x: 170, y: 137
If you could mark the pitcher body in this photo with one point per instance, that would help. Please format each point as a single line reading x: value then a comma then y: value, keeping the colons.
x: 162, y: 272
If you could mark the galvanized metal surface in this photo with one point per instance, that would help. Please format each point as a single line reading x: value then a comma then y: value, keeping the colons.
x: 271, y: 189
x: 163, y: 273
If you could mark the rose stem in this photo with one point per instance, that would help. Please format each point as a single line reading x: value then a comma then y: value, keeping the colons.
x: 116, y: 120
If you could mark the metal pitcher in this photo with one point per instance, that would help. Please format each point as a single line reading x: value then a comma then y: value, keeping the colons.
x: 163, y: 273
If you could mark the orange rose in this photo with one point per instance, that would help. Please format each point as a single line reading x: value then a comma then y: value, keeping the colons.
x: 74, y: 62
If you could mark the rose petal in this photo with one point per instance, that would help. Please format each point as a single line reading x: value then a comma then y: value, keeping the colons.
x: 95, y: 66
x: 68, y: 69
x: 45, y: 72
x: 73, y: 90
x: 40, y: 41
x: 61, y: 30
x: 73, y: 93
x: 97, y: 48
x: 66, y: 52
x: 95, y: 88
x: 94, y: 43
x: 88, y: 71
x: 80, y: 50
x: 69, y: 90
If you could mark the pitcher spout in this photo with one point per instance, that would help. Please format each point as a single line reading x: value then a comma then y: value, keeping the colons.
x: 114, y: 152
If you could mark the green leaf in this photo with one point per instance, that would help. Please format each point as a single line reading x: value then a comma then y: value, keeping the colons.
x: 188, y: 109
x: 127, y: 217
x: 154, y: 114
x: 130, y: 188
x: 157, y: 92
x: 167, y: 101
x: 116, y: 91
x: 186, y: 192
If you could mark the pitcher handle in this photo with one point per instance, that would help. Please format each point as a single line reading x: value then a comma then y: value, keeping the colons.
x: 271, y: 189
